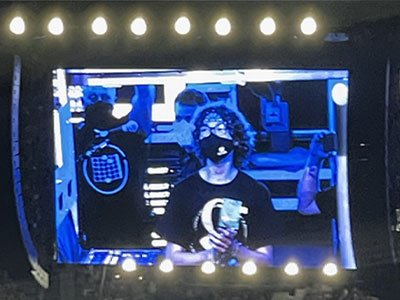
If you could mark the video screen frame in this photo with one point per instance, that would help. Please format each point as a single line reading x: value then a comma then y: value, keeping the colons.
x: 171, y: 82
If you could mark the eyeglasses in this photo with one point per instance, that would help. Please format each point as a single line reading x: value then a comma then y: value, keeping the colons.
x: 219, y: 129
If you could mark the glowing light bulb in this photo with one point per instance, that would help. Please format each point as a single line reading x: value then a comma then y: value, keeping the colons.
x: 139, y: 26
x: 17, y: 26
x: 129, y: 264
x: 223, y: 27
x: 182, y: 25
x: 249, y: 268
x: 99, y: 26
x: 166, y: 266
x: 292, y: 269
x: 330, y: 269
x: 208, y: 267
x: 308, y: 26
x: 267, y: 26
x: 56, y: 26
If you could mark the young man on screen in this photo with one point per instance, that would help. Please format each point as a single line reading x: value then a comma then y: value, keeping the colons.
x: 194, y: 225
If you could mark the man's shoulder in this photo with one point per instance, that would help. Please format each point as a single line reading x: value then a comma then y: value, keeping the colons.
x: 256, y: 193
x: 249, y: 181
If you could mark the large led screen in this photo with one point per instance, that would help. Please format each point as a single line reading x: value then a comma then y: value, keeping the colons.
x: 198, y: 165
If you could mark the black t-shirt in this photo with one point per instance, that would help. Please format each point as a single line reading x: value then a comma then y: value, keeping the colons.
x: 183, y: 222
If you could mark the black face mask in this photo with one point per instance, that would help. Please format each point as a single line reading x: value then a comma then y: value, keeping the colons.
x: 215, y: 148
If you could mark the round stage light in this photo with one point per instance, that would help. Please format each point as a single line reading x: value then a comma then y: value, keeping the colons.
x: 182, y: 25
x: 129, y: 264
x: 56, y: 26
x: 249, y: 268
x: 99, y: 26
x: 208, y: 267
x: 340, y: 93
x: 330, y: 269
x: 139, y: 26
x: 292, y: 269
x: 166, y: 266
x: 308, y: 26
x: 223, y: 27
x: 267, y: 26
x: 17, y: 25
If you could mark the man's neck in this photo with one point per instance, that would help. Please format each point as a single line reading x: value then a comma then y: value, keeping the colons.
x: 219, y: 173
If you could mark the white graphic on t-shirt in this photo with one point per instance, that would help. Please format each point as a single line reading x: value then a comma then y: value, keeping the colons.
x: 206, y: 217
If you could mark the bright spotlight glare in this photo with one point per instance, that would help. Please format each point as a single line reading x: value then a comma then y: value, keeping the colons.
x: 99, y: 26
x: 249, y: 268
x: 139, y: 26
x: 17, y: 26
x: 182, y: 25
x: 121, y: 110
x: 267, y: 26
x: 340, y: 93
x: 208, y: 267
x: 308, y: 26
x: 129, y: 264
x: 292, y: 269
x: 56, y: 26
x: 166, y: 266
x: 223, y: 27
x: 330, y: 269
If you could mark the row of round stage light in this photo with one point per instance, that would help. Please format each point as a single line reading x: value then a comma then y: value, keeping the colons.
x: 182, y: 26
x: 249, y: 268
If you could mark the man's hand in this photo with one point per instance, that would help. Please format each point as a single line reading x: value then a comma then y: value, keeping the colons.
x: 222, y: 239
x: 317, y: 153
x: 307, y: 190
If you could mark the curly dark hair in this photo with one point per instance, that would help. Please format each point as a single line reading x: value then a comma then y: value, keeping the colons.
x: 237, y: 125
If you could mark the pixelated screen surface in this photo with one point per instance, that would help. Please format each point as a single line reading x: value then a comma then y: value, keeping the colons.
x: 106, y: 168
x: 154, y: 163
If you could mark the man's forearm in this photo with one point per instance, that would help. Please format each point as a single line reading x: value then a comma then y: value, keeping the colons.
x: 189, y: 258
x: 262, y: 258
x: 307, y: 190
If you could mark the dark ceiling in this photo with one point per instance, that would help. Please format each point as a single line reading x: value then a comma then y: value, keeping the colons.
x: 331, y: 14
x: 245, y: 46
